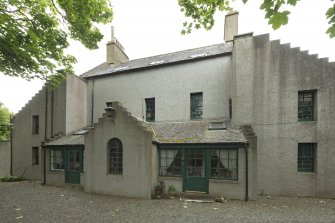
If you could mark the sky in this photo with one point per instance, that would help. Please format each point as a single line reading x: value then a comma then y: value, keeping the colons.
x: 152, y: 27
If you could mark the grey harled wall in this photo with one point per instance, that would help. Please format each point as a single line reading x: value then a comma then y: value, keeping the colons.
x: 68, y: 102
x: 4, y: 158
x: 138, y: 150
x: 76, y: 103
x: 171, y: 86
x: 24, y: 140
x: 266, y: 79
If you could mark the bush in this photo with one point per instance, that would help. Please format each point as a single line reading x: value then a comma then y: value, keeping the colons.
x: 10, y: 179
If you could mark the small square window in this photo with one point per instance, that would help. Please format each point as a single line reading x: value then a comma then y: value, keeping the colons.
x: 306, y: 157
x: 196, y: 105
x: 35, y: 156
x: 35, y: 124
x: 150, y: 109
x: 306, y: 105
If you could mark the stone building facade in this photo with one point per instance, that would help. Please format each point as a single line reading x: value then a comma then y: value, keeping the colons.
x: 246, y: 117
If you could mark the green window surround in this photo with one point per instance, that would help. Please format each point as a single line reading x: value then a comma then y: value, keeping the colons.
x: 150, y: 109
x: 224, y: 164
x: 196, y: 105
x: 35, y: 156
x: 221, y: 163
x: 57, y: 159
x: 306, y: 105
x: 306, y: 157
x: 35, y: 124
x: 115, y: 156
x: 170, y: 162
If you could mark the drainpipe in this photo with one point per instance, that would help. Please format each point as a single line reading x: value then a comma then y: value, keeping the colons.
x: 92, y: 106
x: 246, y: 173
x: 11, y: 145
x: 45, y: 135
x: 52, y: 113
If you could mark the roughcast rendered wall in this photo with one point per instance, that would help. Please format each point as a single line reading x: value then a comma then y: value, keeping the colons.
x: 136, y: 179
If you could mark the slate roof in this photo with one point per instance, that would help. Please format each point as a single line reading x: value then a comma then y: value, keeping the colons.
x: 69, y: 140
x: 194, y: 132
x: 160, y: 60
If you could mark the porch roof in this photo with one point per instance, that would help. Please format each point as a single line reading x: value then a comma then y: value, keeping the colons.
x: 69, y: 140
x: 194, y: 132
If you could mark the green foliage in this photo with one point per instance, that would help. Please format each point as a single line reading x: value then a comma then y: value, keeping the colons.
x: 4, y: 122
x: 10, y: 179
x: 201, y: 13
x: 35, y: 33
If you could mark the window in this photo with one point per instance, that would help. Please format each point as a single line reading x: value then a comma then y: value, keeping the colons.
x: 115, y: 152
x: 224, y: 163
x: 35, y: 156
x: 306, y: 105
x: 150, y: 109
x: 35, y: 124
x: 170, y: 162
x: 56, y: 159
x: 196, y: 105
x: 306, y: 157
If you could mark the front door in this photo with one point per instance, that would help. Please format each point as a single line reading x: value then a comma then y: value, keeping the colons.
x: 73, y: 165
x: 195, y: 179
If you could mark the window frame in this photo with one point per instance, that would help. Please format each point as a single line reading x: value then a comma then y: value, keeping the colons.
x: 35, y: 156
x: 54, y: 159
x: 35, y: 124
x: 117, y: 168
x: 175, y: 153
x: 311, y: 158
x: 229, y: 160
x: 197, y: 106
x: 152, y: 111
x: 304, y: 105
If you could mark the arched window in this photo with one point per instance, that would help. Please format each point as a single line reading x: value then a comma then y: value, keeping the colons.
x: 115, y: 153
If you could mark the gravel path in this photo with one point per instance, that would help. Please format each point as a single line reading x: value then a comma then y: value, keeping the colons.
x: 31, y: 202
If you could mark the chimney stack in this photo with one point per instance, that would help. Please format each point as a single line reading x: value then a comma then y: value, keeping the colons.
x: 115, y: 51
x: 231, y: 26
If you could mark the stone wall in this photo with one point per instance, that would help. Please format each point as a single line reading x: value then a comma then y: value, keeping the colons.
x: 4, y: 158
x: 136, y: 179
x: 266, y: 78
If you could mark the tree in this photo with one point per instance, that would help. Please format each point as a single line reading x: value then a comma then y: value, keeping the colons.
x: 4, y: 122
x: 35, y: 33
x: 201, y: 13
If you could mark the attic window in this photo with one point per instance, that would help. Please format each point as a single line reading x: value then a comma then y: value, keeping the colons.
x: 198, y: 55
x: 157, y: 62
x: 121, y: 68
x: 216, y: 126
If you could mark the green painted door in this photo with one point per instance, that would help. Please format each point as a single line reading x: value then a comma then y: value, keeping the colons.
x: 195, y: 179
x: 73, y: 165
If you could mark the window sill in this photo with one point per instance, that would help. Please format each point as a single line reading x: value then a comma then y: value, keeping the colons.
x: 178, y: 178
x: 306, y: 173
x: 226, y: 181
x: 56, y: 171
x: 307, y: 121
x: 115, y: 174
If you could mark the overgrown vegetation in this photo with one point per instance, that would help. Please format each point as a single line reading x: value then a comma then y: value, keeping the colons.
x: 10, y: 179
x: 201, y: 13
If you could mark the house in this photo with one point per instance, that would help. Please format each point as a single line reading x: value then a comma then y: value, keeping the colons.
x: 246, y: 117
